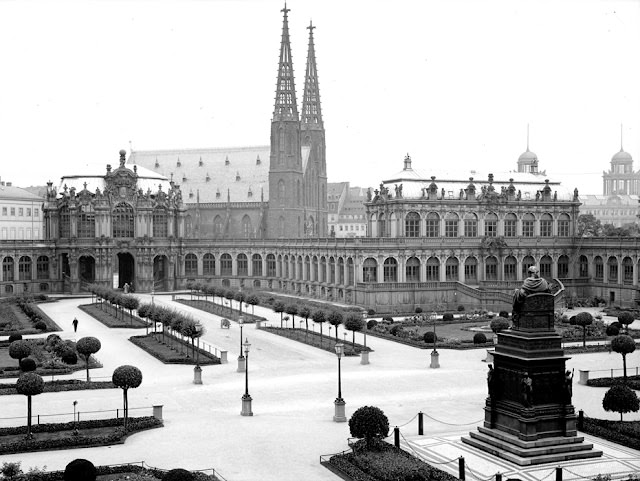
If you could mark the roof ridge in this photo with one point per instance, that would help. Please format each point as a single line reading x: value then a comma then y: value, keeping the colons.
x: 201, y: 150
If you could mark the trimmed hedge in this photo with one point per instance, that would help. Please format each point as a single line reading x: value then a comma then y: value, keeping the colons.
x: 113, y: 470
x: 61, y: 385
x: 625, y: 433
x: 206, y: 358
x: 632, y: 381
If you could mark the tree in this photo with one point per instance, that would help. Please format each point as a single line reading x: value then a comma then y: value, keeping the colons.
x: 292, y: 310
x: 130, y: 303
x: 80, y: 470
x: 612, y: 330
x: 19, y: 350
x: 319, y: 317
x: 27, y: 365
x: 306, y: 313
x: 253, y: 301
x: 625, y: 318
x: 623, y: 345
x: 353, y: 323
x: 193, y: 330
x: 126, y: 377
x: 240, y: 297
x: 279, y: 307
x: 621, y: 399
x: 29, y: 384
x: 87, y: 346
x: 589, y: 226
x: 335, y: 319
x: 369, y: 423
x: 583, y: 320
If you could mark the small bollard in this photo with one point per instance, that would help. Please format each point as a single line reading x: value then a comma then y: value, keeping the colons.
x: 498, y: 477
x: 420, y: 423
x: 157, y: 412
x: 558, y: 474
x: 580, y: 423
x: 396, y: 437
x: 461, y: 468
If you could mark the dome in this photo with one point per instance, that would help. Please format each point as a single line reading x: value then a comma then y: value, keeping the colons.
x: 527, y: 156
x: 622, y: 155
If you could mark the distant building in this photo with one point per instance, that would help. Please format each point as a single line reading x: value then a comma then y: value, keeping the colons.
x: 347, y: 214
x: 20, y: 213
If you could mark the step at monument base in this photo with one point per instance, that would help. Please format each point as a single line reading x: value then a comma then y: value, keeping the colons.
x: 528, y: 453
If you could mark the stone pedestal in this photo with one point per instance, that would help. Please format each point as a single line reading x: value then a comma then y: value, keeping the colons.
x: 435, y: 360
x: 242, y: 364
x: 246, y: 405
x: 339, y: 412
x: 197, y: 375
x: 364, y: 357
x: 529, y: 418
x: 157, y: 412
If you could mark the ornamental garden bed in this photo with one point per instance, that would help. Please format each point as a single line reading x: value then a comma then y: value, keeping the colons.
x: 123, y: 472
x: 632, y: 381
x: 61, y: 385
x: 383, y: 463
x: 19, y: 315
x: 106, y: 314
x: 626, y: 433
x: 47, y: 437
x: 220, y: 310
x: 324, y: 342
x: 172, y: 350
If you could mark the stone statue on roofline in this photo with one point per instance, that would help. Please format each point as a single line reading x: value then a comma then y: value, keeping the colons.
x: 532, y: 285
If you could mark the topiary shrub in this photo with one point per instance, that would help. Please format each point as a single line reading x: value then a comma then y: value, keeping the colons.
x: 69, y: 356
x: 87, y: 346
x: 41, y: 326
x: 178, y: 474
x: 418, y: 310
x: 395, y: 330
x: 388, y: 319
x: 371, y: 312
x: 479, y: 338
x: 19, y: 350
x: 621, y: 399
x: 612, y: 330
x: 80, y: 470
x: 447, y: 317
x: 429, y: 337
x: 369, y: 423
x: 625, y: 318
x: 15, y: 337
x: 27, y: 364
x: 499, y: 324
x: 572, y: 321
x: 371, y: 323
x: 460, y: 308
x: 504, y: 314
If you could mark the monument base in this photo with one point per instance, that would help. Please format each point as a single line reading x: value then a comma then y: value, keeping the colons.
x: 528, y: 453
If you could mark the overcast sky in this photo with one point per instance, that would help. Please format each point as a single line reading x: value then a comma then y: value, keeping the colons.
x: 452, y: 83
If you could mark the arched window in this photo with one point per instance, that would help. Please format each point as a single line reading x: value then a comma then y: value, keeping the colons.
x: 433, y: 225
x: 451, y: 221
x: 281, y: 226
x: 122, y: 219
x: 433, y: 269
x: 491, y: 225
x: 471, y: 270
x: 190, y: 265
x: 412, y: 225
x: 545, y: 267
x: 491, y: 268
x: 64, y: 222
x: 563, y: 225
x: 271, y: 265
x: 42, y: 267
x: 86, y: 222
x: 510, y: 225
x: 281, y: 192
x: 612, y: 270
x: 160, y: 222
x: 390, y: 270
x: 451, y: 269
x: 314, y: 268
x: 584, y: 267
x: 412, y: 268
x: 246, y: 227
x: 209, y: 265
x: 527, y: 262
x: 599, y: 268
x: 8, y: 269
x: 217, y: 226
x: 332, y: 270
x: 243, y: 265
x: 510, y: 268
x: 627, y: 270
x: 563, y: 266
x: 256, y: 265
x: 341, y: 271
x: 351, y: 272
x: 226, y: 265
x: 382, y: 225
x: 470, y: 225
x: 323, y: 269
x: 528, y: 225
x: 546, y: 225
x: 24, y: 268
x: 370, y: 270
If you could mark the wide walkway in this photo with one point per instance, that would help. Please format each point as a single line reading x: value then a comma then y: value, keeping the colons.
x: 293, y: 388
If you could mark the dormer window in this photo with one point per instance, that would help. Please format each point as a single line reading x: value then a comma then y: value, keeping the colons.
x: 178, y: 163
x: 226, y: 160
x: 207, y: 178
x: 200, y: 163
x: 237, y: 176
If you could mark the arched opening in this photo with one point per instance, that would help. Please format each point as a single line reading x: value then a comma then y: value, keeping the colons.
x: 126, y: 269
x: 86, y: 269
x: 160, y: 272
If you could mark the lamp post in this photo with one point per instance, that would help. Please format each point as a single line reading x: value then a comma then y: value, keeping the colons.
x: 339, y: 415
x: 435, y: 357
x: 75, y: 422
x: 241, y: 359
x: 246, y: 398
x: 197, y: 370
x: 364, y: 354
x: 153, y: 310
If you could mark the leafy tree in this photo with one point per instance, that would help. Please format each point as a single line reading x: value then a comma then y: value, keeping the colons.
x: 292, y: 310
x: 87, y: 346
x: 583, y: 320
x: 178, y: 474
x: 240, y: 297
x: 80, y: 470
x: 623, y: 345
x: 130, y: 303
x: 29, y: 384
x: 429, y: 337
x: 126, y: 377
x: 353, y: 323
x: 621, y: 399
x: 479, y: 338
x: 279, y: 307
x: 369, y: 423
x: 335, y: 319
x: 19, y: 350
x: 612, y: 330
x: 625, y: 318
x: 27, y: 365
x: 305, y: 312
x: 319, y: 317
x: 589, y: 226
x: 193, y: 330
x: 499, y: 324
x: 253, y: 301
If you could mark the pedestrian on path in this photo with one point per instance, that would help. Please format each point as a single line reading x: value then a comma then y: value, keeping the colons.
x: 75, y: 324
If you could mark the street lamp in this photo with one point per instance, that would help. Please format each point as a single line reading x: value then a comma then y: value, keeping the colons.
x: 197, y: 370
x: 246, y: 398
x: 75, y: 423
x: 339, y: 403
x: 364, y: 353
x: 241, y: 359
x: 153, y: 309
x: 434, y: 354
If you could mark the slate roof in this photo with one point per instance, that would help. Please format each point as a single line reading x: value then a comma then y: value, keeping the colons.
x: 10, y: 192
x: 212, y: 172
x: 147, y: 179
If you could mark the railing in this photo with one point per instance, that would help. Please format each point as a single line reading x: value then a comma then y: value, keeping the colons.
x: 67, y: 417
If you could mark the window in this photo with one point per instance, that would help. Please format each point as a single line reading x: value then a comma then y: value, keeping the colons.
x: 20, y: 211
x: 7, y: 269
x: 24, y: 268
x: 491, y: 225
x: 433, y: 225
x: 612, y: 270
x: 209, y: 265
x: 627, y: 270
x: 584, y: 266
x: 546, y: 226
x: 246, y: 227
x: 451, y: 225
x: 281, y: 191
x: 528, y: 223
x: 4, y: 211
x: 545, y: 267
x: 510, y: 269
x: 86, y: 223
x: 64, y: 227
x: 491, y: 268
x: 369, y: 271
x: 271, y: 265
x: 42, y: 267
x: 123, y: 220
x: 412, y: 225
x: 527, y: 262
x: 382, y: 226
x: 451, y: 269
x: 191, y: 265
x: 226, y: 264
x: 13, y: 211
x: 471, y: 270
x: 563, y: 225
x: 470, y: 225
x: 510, y: 225
x: 256, y: 264
x: 563, y: 266
x: 243, y: 265
x: 433, y: 269
x: 160, y: 222
x: 36, y: 213
x: 412, y: 270
x: 28, y: 211
x: 390, y: 270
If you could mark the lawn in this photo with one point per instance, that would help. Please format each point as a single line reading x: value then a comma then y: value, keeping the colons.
x: 324, y: 342
x: 172, y: 350
x: 106, y: 314
x: 14, y: 321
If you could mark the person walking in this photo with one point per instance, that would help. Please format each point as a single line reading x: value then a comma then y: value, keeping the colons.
x: 75, y: 324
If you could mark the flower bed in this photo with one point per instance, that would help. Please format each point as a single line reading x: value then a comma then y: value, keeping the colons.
x: 632, y: 381
x: 105, y: 316
x: 625, y: 433
x: 220, y: 310
x: 324, y: 342
x: 167, y: 351
x: 123, y: 472
x: 61, y: 385
x: 22, y: 316
x: 61, y: 435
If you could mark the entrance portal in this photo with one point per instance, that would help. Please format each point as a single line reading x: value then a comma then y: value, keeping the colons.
x: 160, y: 272
x: 126, y: 269
x: 87, y: 269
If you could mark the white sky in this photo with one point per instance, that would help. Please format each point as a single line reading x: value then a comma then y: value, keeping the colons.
x: 454, y: 83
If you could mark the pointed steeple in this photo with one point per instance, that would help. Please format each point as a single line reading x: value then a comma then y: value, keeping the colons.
x: 311, y: 111
x: 286, y: 107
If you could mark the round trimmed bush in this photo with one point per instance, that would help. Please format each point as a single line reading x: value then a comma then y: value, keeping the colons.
x: 418, y: 310
x: 395, y: 330
x: 429, y: 337
x: 15, y: 337
x: 41, y: 326
x: 504, y: 314
x: 80, y: 470
x: 479, y: 338
x: 612, y: 330
x: 371, y: 312
x: 371, y: 323
x: 447, y: 317
x: 388, y: 319
x: 369, y: 422
x: 19, y: 349
x: 178, y: 474
x: 499, y: 324
x: 27, y: 364
x: 460, y: 308
x: 69, y: 356
x: 572, y: 320
x: 622, y: 399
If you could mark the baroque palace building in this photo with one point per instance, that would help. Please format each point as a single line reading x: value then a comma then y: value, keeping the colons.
x: 236, y: 219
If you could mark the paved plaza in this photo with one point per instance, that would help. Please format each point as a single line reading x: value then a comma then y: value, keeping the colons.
x: 293, y: 388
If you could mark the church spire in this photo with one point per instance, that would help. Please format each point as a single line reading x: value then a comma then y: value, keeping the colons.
x: 311, y: 111
x: 286, y: 107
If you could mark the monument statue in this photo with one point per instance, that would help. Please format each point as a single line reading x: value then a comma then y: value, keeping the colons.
x: 532, y: 284
x: 568, y: 386
x: 527, y: 390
